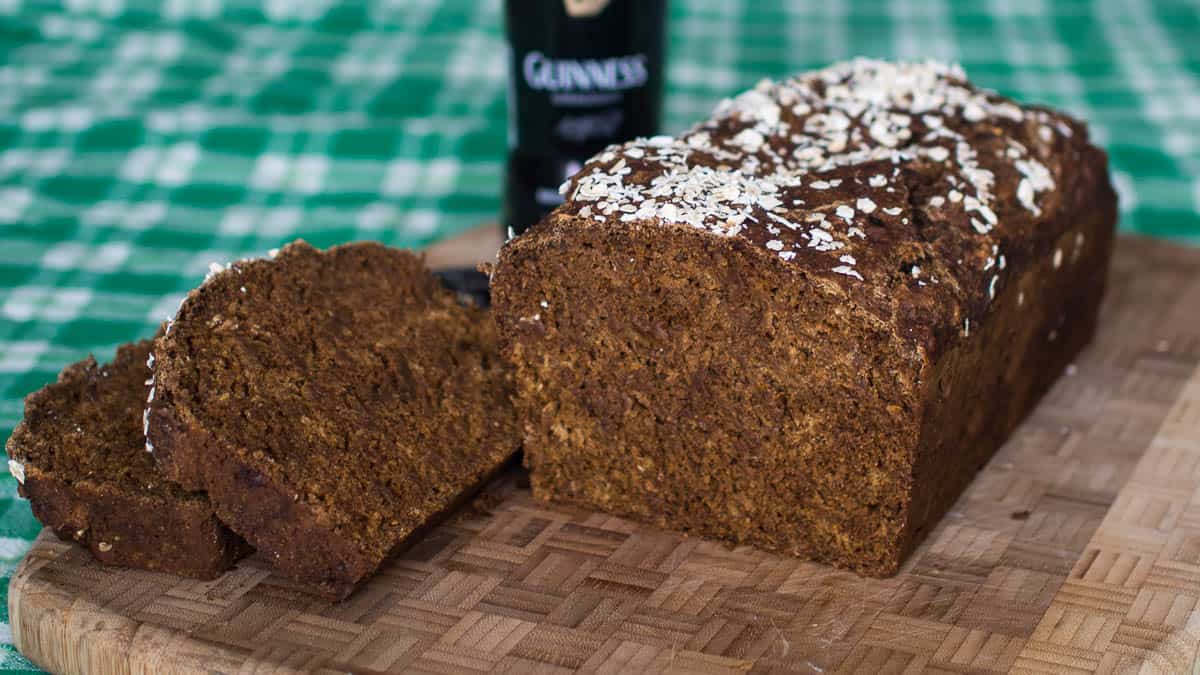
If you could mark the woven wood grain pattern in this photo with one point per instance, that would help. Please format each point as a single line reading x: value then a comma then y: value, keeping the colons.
x: 1077, y: 549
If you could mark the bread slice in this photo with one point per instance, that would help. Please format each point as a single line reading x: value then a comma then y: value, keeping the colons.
x: 79, y: 456
x: 332, y: 404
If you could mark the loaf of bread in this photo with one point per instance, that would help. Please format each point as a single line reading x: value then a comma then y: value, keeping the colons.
x: 805, y: 323
x: 332, y: 404
x: 79, y: 457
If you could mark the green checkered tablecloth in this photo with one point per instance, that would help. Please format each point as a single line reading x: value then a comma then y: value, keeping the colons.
x: 142, y: 139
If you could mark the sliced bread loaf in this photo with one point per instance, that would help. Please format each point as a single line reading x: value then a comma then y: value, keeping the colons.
x: 806, y: 323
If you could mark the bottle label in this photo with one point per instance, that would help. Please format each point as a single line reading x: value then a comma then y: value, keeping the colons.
x: 565, y: 76
x: 583, y: 74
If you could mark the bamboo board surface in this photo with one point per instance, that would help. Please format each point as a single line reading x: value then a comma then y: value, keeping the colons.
x: 1076, y: 550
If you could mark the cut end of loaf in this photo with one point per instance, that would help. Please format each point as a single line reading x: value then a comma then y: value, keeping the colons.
x: 678, y: 379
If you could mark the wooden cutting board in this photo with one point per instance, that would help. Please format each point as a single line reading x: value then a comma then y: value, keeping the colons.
x: 1077, y: 549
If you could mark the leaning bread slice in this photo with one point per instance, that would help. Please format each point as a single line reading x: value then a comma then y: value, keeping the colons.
x: 332, y: 404
x: 79, y: 456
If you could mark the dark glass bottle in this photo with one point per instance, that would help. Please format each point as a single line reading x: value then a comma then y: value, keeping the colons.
x: 583, y: 74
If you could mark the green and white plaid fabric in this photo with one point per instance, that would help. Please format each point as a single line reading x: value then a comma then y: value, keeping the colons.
x: 141, y: 140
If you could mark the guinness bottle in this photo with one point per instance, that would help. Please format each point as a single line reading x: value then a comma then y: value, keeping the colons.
x: 583, y: 74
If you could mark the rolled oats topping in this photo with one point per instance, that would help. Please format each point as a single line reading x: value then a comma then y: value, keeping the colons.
x: 829, y: 164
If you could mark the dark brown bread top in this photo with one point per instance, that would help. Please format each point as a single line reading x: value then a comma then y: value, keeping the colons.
x: 346, y: 387
x: 86, y: 428
x: 901, y: 187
